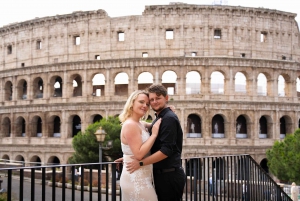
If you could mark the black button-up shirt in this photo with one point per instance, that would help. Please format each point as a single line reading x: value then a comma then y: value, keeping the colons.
x: 169, y: 140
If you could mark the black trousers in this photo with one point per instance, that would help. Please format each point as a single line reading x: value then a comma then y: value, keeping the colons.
x: 169, y: 186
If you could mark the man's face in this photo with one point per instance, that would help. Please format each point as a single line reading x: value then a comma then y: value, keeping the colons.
x: 158, y: 103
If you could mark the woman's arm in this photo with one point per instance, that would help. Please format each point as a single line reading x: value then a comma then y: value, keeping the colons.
x: 146, y: 124
x: 131, y: 135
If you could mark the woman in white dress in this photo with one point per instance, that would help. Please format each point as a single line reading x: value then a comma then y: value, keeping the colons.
x: 136, y: 143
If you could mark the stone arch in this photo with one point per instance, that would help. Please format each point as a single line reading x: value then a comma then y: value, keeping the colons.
x: 56, y: 86
x: 38, y: 88
x: 96, y: 118
x: 22, y: 89
x: 193, y: 127
x: 240, y: 83
x: 36, y: 125
x: 76, y: 125
x: 218, y: 126
x: 6, y: 127
x: 53, y: 160
x: 149, y: 118
x: 20, y: 159
x: 217, y: 82
x: 54, y: 126
x: 8, y: 90
x: 5, y: 157
x: 241, y: 127
x: 281, y: 86
x: 169, y: 80
x: 145, y: 79
x: 264, y: 165
x: 20, y: 127
x: 35, y: 160
x: 139, y: 71
x: 121, y: 81
x: 285, y: 126
x: 98, y: 82
x: 193, y: 83
x: 298, y: 86
x: 77, y: 85
x: 265, y: 127
x: 264, y: 84
x: 287, y: 84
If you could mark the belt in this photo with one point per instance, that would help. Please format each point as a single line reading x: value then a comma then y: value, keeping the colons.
x: 160, y: 171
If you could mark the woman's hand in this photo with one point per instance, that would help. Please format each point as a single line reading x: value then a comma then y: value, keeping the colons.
x: 119, y: 161
x: 155, y: 127
x: 172, y: 107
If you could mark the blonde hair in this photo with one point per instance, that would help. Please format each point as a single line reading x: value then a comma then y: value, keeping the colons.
x: 127, y: 110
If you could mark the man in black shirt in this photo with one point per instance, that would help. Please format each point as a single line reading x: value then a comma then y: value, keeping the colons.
x: 169, y: 177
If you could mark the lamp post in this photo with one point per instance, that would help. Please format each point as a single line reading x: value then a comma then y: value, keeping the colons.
x: 100, y: 135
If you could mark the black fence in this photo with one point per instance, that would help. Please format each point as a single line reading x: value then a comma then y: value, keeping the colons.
x: 219, y: 178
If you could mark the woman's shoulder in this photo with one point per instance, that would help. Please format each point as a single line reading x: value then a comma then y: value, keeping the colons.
x: 130, y: 125
x: 129, y: 122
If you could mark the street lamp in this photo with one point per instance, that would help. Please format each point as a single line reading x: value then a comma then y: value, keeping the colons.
x: 100, y: 135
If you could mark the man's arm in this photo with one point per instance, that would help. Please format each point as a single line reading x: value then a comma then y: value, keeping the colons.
x: 154, y: 158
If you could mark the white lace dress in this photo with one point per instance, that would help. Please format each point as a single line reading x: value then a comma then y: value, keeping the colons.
x: 137, y: 186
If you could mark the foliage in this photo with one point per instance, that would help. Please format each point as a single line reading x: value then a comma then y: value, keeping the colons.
x: 112, y: 127
x: 95, y: 184
x: 86, y: 145
x: 66, y: 180
x: 3, y: 196
x: 284, y: 158
x: 85, y: 182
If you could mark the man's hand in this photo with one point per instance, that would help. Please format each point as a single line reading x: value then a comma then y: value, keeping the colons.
x: 133, y: 165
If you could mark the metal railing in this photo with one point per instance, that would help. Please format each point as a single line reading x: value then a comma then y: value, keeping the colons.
x: 230, y: 178
x: 216, y: 178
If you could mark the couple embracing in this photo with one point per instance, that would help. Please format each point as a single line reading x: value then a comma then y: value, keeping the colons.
x: 151, y: 151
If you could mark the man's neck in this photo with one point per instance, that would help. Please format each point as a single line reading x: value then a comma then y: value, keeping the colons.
x: 159, y: 111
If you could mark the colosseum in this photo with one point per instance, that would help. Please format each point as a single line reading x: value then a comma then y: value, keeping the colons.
x: 231, y: 72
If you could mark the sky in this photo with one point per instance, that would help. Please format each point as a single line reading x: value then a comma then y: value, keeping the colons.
x: 12, y: 11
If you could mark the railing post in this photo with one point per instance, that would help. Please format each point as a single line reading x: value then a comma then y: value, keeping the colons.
x: 195, y: 187
x: 9, y: 183
x: 113, y: 182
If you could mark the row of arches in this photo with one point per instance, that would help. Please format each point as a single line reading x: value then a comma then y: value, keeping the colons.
x: 36, y: 127
x: 34, y: 160
x: 194, y: 84
x: 193, y: 128
x: 242, y: 127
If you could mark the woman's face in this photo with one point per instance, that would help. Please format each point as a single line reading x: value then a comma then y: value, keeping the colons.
x: 141, y: 105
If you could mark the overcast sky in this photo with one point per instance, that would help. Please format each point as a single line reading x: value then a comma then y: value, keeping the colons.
x: 22, y: 10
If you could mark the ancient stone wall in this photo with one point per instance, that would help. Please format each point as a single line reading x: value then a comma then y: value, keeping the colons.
x: 181, y: 38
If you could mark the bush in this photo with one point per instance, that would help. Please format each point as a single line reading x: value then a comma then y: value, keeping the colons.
x: 95, y: 184
x: 57, y: 178
x: 85, y: 182
x: 66, y: 180
x: 3, y: 196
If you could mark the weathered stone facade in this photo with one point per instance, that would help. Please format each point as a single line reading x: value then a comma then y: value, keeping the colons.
x: 39, y: 119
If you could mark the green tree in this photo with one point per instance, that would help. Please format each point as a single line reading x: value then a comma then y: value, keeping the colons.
x: 86, y: 145
x: 284, y: 158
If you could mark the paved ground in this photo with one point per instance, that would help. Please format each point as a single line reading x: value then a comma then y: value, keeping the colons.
x: 38, y: 190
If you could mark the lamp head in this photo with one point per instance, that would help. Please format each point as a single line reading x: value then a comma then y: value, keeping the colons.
x: 100, y: 134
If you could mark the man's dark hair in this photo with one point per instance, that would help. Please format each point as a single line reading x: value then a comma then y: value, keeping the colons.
x: 158, y: 89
